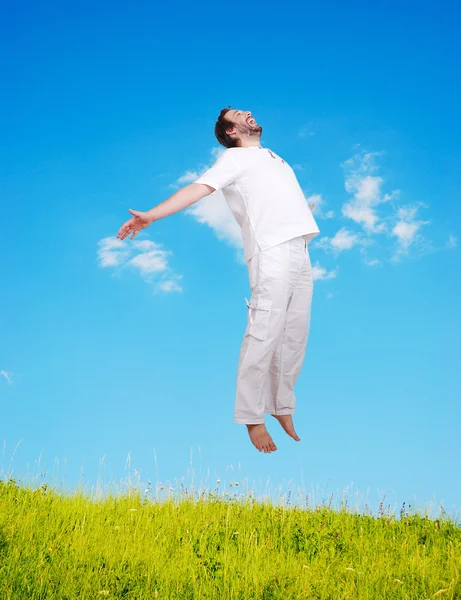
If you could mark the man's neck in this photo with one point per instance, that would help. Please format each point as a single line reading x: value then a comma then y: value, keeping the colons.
x: 250, y: 143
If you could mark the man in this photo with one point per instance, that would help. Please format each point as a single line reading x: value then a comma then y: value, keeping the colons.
x: 267, y: 202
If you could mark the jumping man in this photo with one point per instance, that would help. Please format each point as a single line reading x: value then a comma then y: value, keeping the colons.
x: 264, y: 195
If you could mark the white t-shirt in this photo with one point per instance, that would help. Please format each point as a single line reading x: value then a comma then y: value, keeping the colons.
x: 264, y: 196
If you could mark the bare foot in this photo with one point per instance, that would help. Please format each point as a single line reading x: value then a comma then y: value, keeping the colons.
x: 261, y: 438
x: 286, y: 421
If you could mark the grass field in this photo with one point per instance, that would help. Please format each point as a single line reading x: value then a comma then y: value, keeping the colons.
x: 206, y: 546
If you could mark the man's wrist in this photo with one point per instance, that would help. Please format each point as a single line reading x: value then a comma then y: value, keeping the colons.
x: 151, y: 215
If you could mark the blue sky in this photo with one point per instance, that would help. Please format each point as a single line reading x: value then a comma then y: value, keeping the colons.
x: 120, y: 357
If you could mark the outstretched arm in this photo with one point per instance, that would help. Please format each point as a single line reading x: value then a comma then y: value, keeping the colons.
x: 178, y: 201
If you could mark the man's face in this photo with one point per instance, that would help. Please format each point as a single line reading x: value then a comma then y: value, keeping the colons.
x: 244, y: 123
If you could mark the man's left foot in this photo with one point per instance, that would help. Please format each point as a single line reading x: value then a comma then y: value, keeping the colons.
x: 286, y: 421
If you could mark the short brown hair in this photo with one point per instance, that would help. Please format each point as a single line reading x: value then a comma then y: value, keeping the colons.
x: 220, y: 129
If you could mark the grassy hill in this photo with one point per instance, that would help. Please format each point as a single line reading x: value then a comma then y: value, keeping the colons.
x: 66, y: 547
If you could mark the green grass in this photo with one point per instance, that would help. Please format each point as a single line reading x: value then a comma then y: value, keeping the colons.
x: 69, y: 546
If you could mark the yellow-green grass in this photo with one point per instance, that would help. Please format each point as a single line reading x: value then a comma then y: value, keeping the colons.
x: 70, y: 546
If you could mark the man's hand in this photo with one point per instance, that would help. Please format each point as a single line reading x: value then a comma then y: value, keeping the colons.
x: 139, y: 221
x: 311, y: 206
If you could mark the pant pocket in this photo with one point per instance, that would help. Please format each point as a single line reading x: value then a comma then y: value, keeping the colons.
x: 259, y: 312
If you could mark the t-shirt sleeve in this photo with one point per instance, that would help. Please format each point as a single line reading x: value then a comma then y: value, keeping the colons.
x: 224, y: 172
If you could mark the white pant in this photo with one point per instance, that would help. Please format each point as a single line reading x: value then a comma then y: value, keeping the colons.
x: 274, y: 345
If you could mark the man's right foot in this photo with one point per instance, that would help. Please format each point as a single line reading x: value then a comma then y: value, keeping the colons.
x: 261, y: 438
x: 286, y: 421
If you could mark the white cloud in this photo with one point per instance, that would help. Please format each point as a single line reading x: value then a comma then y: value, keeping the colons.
x: 145, y: 245
x: 188, y: 177
x: 319, y: 208
x: 149, y: 262
x: 214, y: 211
x: 452, y: 241
x: 7, y: 376
x: 372, y: 262
x: 376, y: 212
x: 361, y: 181
x: 152, y: 260
x: 145, y: 256
x: 319, y: 272
x: 112, y: 252
x: 364, y: 215
x: 169, y: 286
x: 367, y: 189
x: 306, y: 132
x: 344, y: 239
x: 406, y: 230
x: 191, y: 175
x: 217, y: 151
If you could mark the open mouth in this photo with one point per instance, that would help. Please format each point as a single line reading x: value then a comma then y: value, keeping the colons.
x: 251, y: 121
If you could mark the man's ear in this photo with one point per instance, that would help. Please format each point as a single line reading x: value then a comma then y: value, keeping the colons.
x: 230, y: 131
